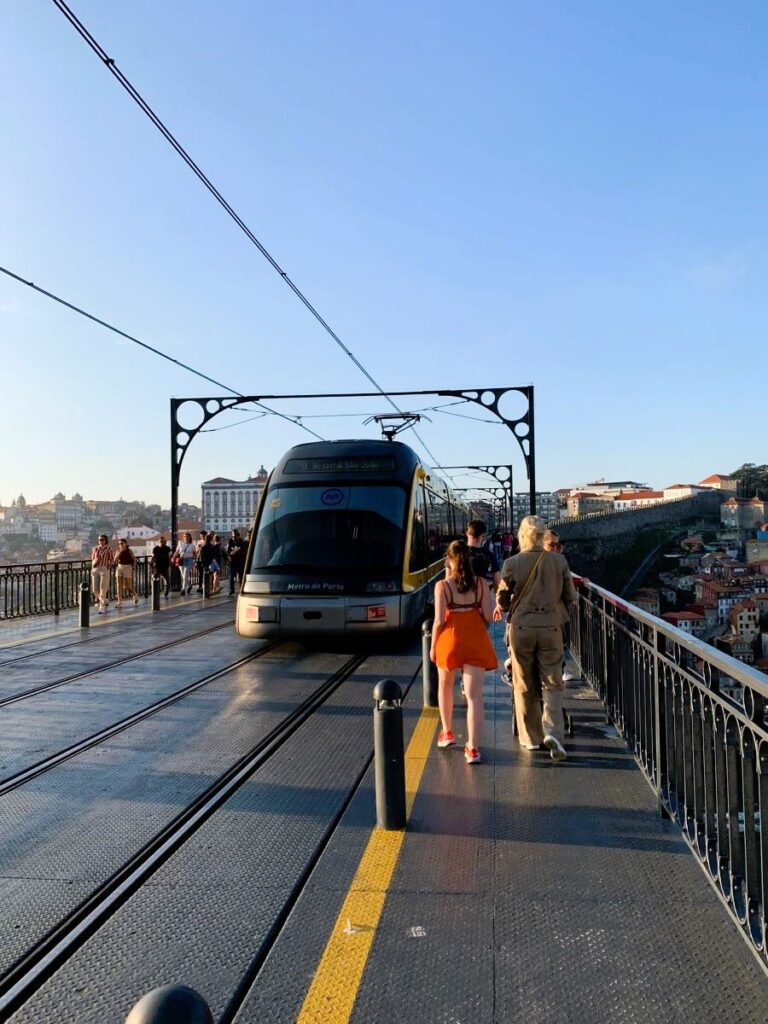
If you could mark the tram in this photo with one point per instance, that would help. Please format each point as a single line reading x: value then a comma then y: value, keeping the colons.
x: 349, y: 539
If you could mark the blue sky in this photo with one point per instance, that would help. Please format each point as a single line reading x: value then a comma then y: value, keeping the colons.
x: 569, y: 194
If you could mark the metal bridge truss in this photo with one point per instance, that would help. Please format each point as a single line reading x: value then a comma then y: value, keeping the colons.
x: 490, y: 399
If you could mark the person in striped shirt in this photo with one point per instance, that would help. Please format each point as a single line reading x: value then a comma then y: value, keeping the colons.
x: 102, y: 559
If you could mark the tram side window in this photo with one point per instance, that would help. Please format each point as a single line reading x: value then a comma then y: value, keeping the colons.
x: 418, y: 559
x: 438, y: 524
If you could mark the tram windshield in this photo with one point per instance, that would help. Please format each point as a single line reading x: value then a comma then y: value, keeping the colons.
x: 331, y: 527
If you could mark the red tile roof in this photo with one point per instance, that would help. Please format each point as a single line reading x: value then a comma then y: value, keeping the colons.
x: 629, y: 495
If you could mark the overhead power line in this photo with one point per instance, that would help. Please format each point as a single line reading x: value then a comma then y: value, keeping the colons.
x: 151, y: 348
x: 112, y: 67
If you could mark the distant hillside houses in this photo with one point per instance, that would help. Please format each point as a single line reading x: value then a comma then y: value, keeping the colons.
x: 625, y: 495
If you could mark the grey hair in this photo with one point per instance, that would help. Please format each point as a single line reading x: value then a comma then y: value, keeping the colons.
x: 530, y: 533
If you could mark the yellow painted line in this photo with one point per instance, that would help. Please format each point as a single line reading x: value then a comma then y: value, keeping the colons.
x: 333, y: 991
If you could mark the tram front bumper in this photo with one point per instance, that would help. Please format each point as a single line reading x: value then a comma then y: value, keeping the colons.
x: 303, y: 616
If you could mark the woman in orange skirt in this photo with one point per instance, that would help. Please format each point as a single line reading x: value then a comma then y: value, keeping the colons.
x: 463, y: 609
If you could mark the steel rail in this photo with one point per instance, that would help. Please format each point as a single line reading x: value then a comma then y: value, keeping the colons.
x: 36, y: 770
x: 31, y: 970
x: 238, y: 997
x: 105, y: 633
x: 25, y: 694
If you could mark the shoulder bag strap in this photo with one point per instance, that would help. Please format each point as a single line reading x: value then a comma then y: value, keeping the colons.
x: 520, y: 591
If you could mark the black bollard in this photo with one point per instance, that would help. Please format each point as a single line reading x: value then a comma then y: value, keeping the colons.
x: 428, y: 668
x: 388, y: 755
x: 155, y: 593
x: 85, y: 604
x: 171, y: 1004
x: 206, y: 583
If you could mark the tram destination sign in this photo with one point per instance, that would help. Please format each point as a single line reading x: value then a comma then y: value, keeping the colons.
x: 346, y: 464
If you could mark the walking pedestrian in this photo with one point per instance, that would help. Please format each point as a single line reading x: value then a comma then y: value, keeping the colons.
x: 541, y: 588
x: 484, y: 561
x: 102, y: 560
x: 185, y: 554
x: 199, y: 545
x: 125, y: 560
x: 236, y: 548
x: 496, y: 545
x: 463, y: 609
x: 216, y: 563
x: 161, y: 562
x: 507, y: 544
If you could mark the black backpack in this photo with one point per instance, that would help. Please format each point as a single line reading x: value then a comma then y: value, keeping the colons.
x: 480, y: 560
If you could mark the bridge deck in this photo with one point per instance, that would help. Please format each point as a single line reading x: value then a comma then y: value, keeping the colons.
x: 522, y: 890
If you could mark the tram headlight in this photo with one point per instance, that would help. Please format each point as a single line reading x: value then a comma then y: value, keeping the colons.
x: 262, y: 613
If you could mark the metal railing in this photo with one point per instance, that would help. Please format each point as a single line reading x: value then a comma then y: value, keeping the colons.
x: 42, y: 588
x: 695, y: 720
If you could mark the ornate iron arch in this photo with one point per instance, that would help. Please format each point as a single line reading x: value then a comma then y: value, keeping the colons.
x: 490, y: 399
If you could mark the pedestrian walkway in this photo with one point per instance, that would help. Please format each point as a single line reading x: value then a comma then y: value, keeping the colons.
x: 523, y: 891
x: 42, y: 627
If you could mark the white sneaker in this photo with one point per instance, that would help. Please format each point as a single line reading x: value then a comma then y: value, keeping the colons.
x: 555, y: 748
x: 568, y: 677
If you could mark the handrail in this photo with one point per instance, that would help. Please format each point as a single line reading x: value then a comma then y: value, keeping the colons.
x: 42, y: 588
x: 695, y: 720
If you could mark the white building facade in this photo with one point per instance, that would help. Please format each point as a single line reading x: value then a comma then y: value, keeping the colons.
x: 231, y: 504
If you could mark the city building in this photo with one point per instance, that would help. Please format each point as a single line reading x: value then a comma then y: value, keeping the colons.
x: 675, y: 491
x: 689, y: 621
x: 745, y: 620
x: 231, y: 504
x: 636, y: 499
x: 720, y: 483
x: 585, y: 502
x: 742, y: 513
x: 547, y: 505
x: 609, y: 486
x: 648, y: 599
x: 737, y: 647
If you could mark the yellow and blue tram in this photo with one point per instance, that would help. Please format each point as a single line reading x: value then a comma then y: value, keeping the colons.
x: 349, y: 539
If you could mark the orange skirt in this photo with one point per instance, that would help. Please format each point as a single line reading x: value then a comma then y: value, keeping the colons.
x: 464, y: 640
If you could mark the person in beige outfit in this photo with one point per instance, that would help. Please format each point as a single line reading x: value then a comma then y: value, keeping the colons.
x: 542, y: 593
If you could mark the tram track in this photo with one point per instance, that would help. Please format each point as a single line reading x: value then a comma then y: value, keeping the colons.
x: 36, y: 770
x: 31, y: 970
x: 117, y: 663
x: 128, y: 627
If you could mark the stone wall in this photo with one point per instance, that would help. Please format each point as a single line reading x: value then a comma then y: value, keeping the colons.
x: 591, y: 542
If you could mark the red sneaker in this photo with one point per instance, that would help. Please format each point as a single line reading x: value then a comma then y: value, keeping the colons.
x: 472, y: 755
x: 446, y: 739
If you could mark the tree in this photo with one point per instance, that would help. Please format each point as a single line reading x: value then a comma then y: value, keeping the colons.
x: 754, y: 480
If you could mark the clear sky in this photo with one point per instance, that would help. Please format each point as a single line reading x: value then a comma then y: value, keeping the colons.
x: 568, y: 193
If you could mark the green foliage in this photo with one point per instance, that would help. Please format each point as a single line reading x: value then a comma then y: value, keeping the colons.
x: 754, y: 479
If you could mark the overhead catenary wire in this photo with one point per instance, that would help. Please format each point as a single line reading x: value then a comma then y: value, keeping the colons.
x: 151, y: 348
x: 112, y: 67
